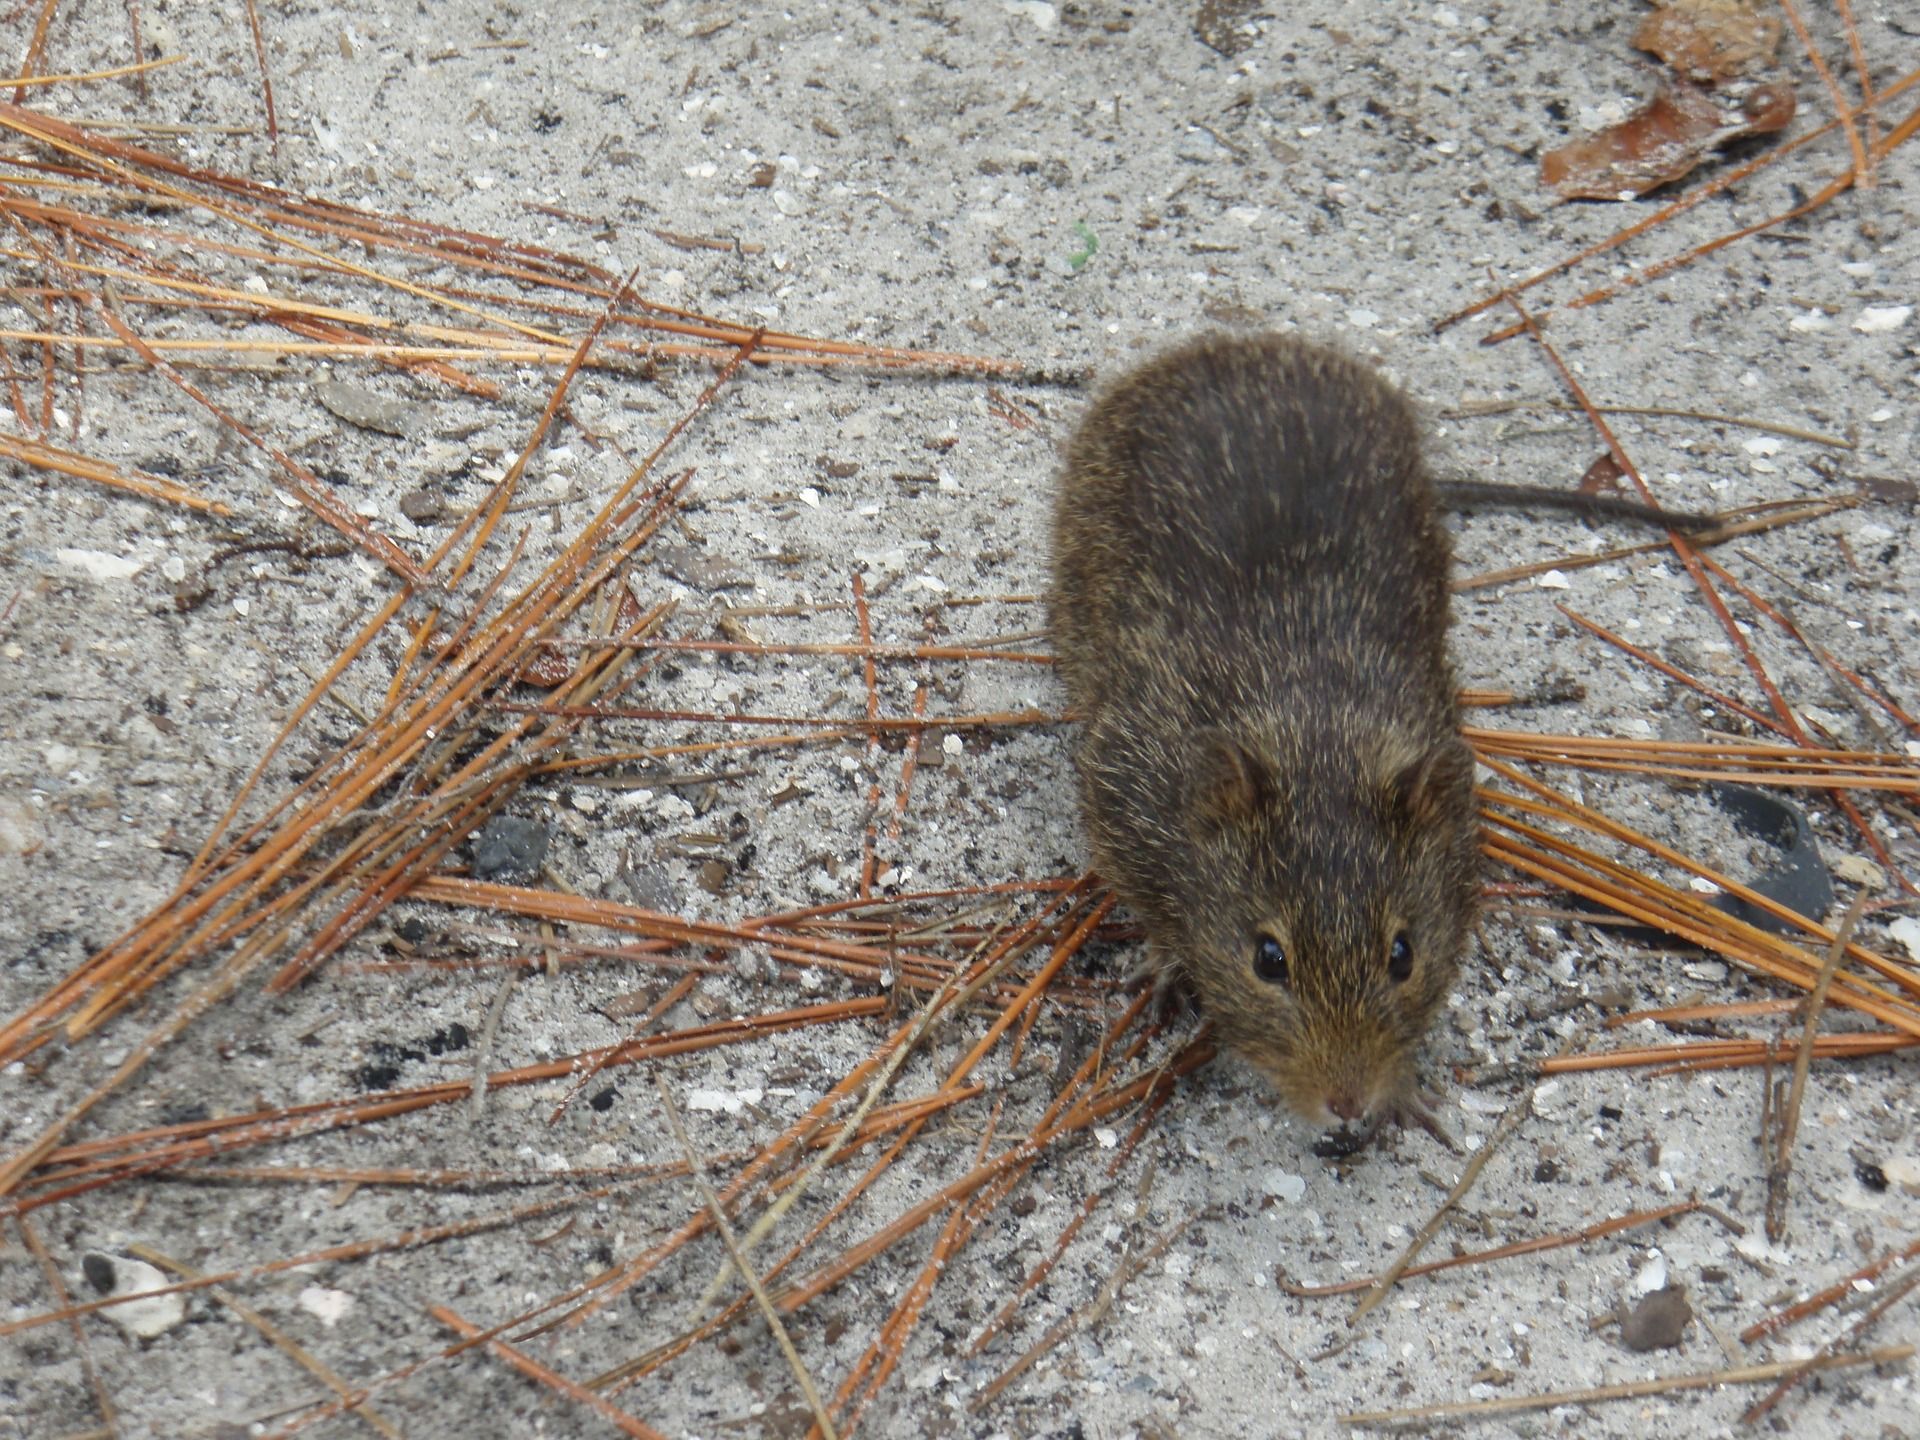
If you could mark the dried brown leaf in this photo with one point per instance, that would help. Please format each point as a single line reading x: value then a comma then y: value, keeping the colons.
x: 1710, y: 40
x: 1661, y: 141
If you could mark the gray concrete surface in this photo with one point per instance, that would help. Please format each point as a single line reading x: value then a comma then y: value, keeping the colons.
x: 1352, y: 172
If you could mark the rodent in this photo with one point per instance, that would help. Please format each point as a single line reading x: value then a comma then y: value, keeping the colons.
x: 1249, y: 604
x: 1484, y: 494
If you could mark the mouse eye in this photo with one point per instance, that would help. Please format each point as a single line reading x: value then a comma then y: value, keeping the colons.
x: 1400, y: 959
x: 1270, y: 960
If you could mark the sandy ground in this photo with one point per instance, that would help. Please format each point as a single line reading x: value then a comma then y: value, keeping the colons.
x: 939, y: 175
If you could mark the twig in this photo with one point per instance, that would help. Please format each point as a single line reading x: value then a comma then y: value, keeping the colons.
x: 113, y: 74
x: 1086, y: 1316
x: 1820, y: 1299
x: 869, y: 673
x: 266, y: 80
x: 110, y: 1420
x: 1618, y: 1225
x: 1071, y: 1230
x: 747, y: 1273
x: 1862, y: 164
x: 1744, y: 761
x: 943, y: 1002
x: 1639, y: 896
x: 126, y: 1157
x: 1782, y: 1168
x: 272, y: 1333
x: 1823, y: 1358
x: 1719, y: 183
x: 1468, y: 1175
x: 636, y: 1269
x: 355, y: 1250
x: 1633, y: 1389
x: 1477, y: 409
x: 483, y: 1051
x: 677, y: 992
x: 552, y: 1379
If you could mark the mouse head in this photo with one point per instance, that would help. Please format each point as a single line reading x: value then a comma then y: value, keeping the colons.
x: 1340, y: 892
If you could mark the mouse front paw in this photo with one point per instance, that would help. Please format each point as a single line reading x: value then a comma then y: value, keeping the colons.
x: 1416, y: 1107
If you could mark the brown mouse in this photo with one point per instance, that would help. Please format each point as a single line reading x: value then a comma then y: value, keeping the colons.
x: 1250, y: 606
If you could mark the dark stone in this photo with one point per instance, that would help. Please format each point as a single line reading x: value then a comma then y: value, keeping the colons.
x: 509, y: 848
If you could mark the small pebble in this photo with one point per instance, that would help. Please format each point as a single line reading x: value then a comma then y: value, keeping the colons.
x: 1658, y: 1321
x: 509, y: 848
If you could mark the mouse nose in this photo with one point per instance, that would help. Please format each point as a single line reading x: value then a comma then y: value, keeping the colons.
x: 1345, y: 1105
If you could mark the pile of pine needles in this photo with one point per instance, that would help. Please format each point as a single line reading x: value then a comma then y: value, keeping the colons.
x: 512, y: 671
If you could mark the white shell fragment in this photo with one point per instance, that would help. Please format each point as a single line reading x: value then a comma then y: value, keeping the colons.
x: 329, y: 1307
x: 729, y: 1102
x: 118, y: 1275
x: 1907, y: 931
x: 1879, y: 319
x: 98, y: 565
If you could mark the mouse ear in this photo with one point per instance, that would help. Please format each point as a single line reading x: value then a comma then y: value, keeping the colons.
x: 1430, y: 783
x: 1231, y: 780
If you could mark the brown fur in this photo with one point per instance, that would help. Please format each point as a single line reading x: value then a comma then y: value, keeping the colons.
x: 1250, y: 608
